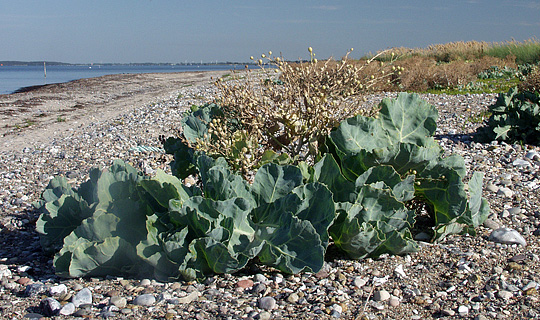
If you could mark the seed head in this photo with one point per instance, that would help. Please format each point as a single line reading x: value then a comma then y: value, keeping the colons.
x: 310, y: 49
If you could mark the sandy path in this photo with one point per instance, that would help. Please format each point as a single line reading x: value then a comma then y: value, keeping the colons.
x: 36, y: 116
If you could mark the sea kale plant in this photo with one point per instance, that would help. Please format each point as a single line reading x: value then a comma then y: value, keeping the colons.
x: 515, y: 117
x: 362, y: 195
x: 284, y: 112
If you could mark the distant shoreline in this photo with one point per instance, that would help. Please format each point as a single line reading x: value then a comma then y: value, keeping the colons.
x: 16, y: 79
x: 10, y: 63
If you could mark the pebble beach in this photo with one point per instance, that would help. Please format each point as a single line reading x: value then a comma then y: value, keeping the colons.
x: 492, y: 275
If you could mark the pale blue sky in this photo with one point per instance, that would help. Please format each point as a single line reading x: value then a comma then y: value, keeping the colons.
x: 176, y: 31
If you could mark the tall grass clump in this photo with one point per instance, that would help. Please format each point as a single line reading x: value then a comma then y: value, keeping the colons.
x: 527, y: 52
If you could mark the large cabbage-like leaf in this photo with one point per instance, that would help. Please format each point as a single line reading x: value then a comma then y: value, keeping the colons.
x: 222, y: 227
x: 289, y: 244
x: 164, y: 187
x: 272, y: 182
x: 183, y: 164
x: 112, y: 236
x: 219, y: 183
x: 375, y: 223
x: 407, y: 119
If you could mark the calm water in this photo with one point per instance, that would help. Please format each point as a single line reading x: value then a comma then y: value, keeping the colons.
x: 16, y: 77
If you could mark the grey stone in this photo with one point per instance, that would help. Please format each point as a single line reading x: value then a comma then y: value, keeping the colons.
x: 58, y: 290
x: 503, y: 294
x: 260, y: 278
x: 505, y: 192
x: 50, y: 307
x: 491, y: 224
x: 359, y: 282
x: 4, y: 271
x: 448, y: 312
x: 67, y: 309
x: 507, y: 236
x: 82, y: 297
x: 533, y: 155
x: 393, y: 301
x: 34, y: 289
x: 145, y: 282
x: 293, y: 298
x: 265, y: 315
x: 530, y: 285
x: 267, y: 303
x: 33, y: 315
x: 521, y: 163
x: 463, y: 310
x: 258, y: 288
x: 493, y: 188
x: 381, y: 295
x: 119, y: 302
x: 144, y: 300
x: 189, y: 298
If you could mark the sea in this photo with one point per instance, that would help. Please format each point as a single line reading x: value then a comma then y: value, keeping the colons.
x: 13, y: 78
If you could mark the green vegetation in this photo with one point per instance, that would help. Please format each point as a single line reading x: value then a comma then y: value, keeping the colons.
x: 515, y: 118
x: 525, y: 52
x: 358, y: 194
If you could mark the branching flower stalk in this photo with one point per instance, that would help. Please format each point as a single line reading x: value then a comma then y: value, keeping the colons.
x: 288, y: 108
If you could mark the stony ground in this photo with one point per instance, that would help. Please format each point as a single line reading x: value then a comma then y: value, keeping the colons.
x: 469, y: 277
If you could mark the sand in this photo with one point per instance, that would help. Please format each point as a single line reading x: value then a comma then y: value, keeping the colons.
x: 38, y: 115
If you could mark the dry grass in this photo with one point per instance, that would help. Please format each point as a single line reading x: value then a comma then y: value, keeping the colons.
x: 423, y: 73
x: 531, y: 82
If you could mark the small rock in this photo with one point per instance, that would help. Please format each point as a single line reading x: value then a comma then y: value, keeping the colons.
x: 50, y: 307
x: 393, y: 301
x: 491, y: 224
x: 503, y: 294
x: 381, y: 295
x: 518, y: 258
x: 58, y: 290
x: 359, y: 282
x: 34, y: 289
x: 145, y: 282
x: 267, y: 303
x: 448, y: 312
x: 77, y: 287
x: 189, y: 298
x: 399, y: 271
x: 67, y: 309
x: 24, y: 281
x: 144, y: 300
x: 265, y: 315
x: 4, y: 271
x: 521, y: 163
x: 33, y: 315
x: 260, y: 278
x: 531, y: 284
x: 507, y: 236
x: 120, y: 302
x: 493, y: 188
x: 533, y: 155
x: 505, y: 192
x: 244, y: 284
x: 463, y: 310
x: 293, y: 298
x: 82, y: 297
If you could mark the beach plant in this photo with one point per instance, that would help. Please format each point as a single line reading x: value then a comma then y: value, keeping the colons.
x: 284, y: 112
x: 515, y: 117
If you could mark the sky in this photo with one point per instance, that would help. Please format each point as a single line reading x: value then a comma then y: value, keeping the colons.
x: 172, y: 31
